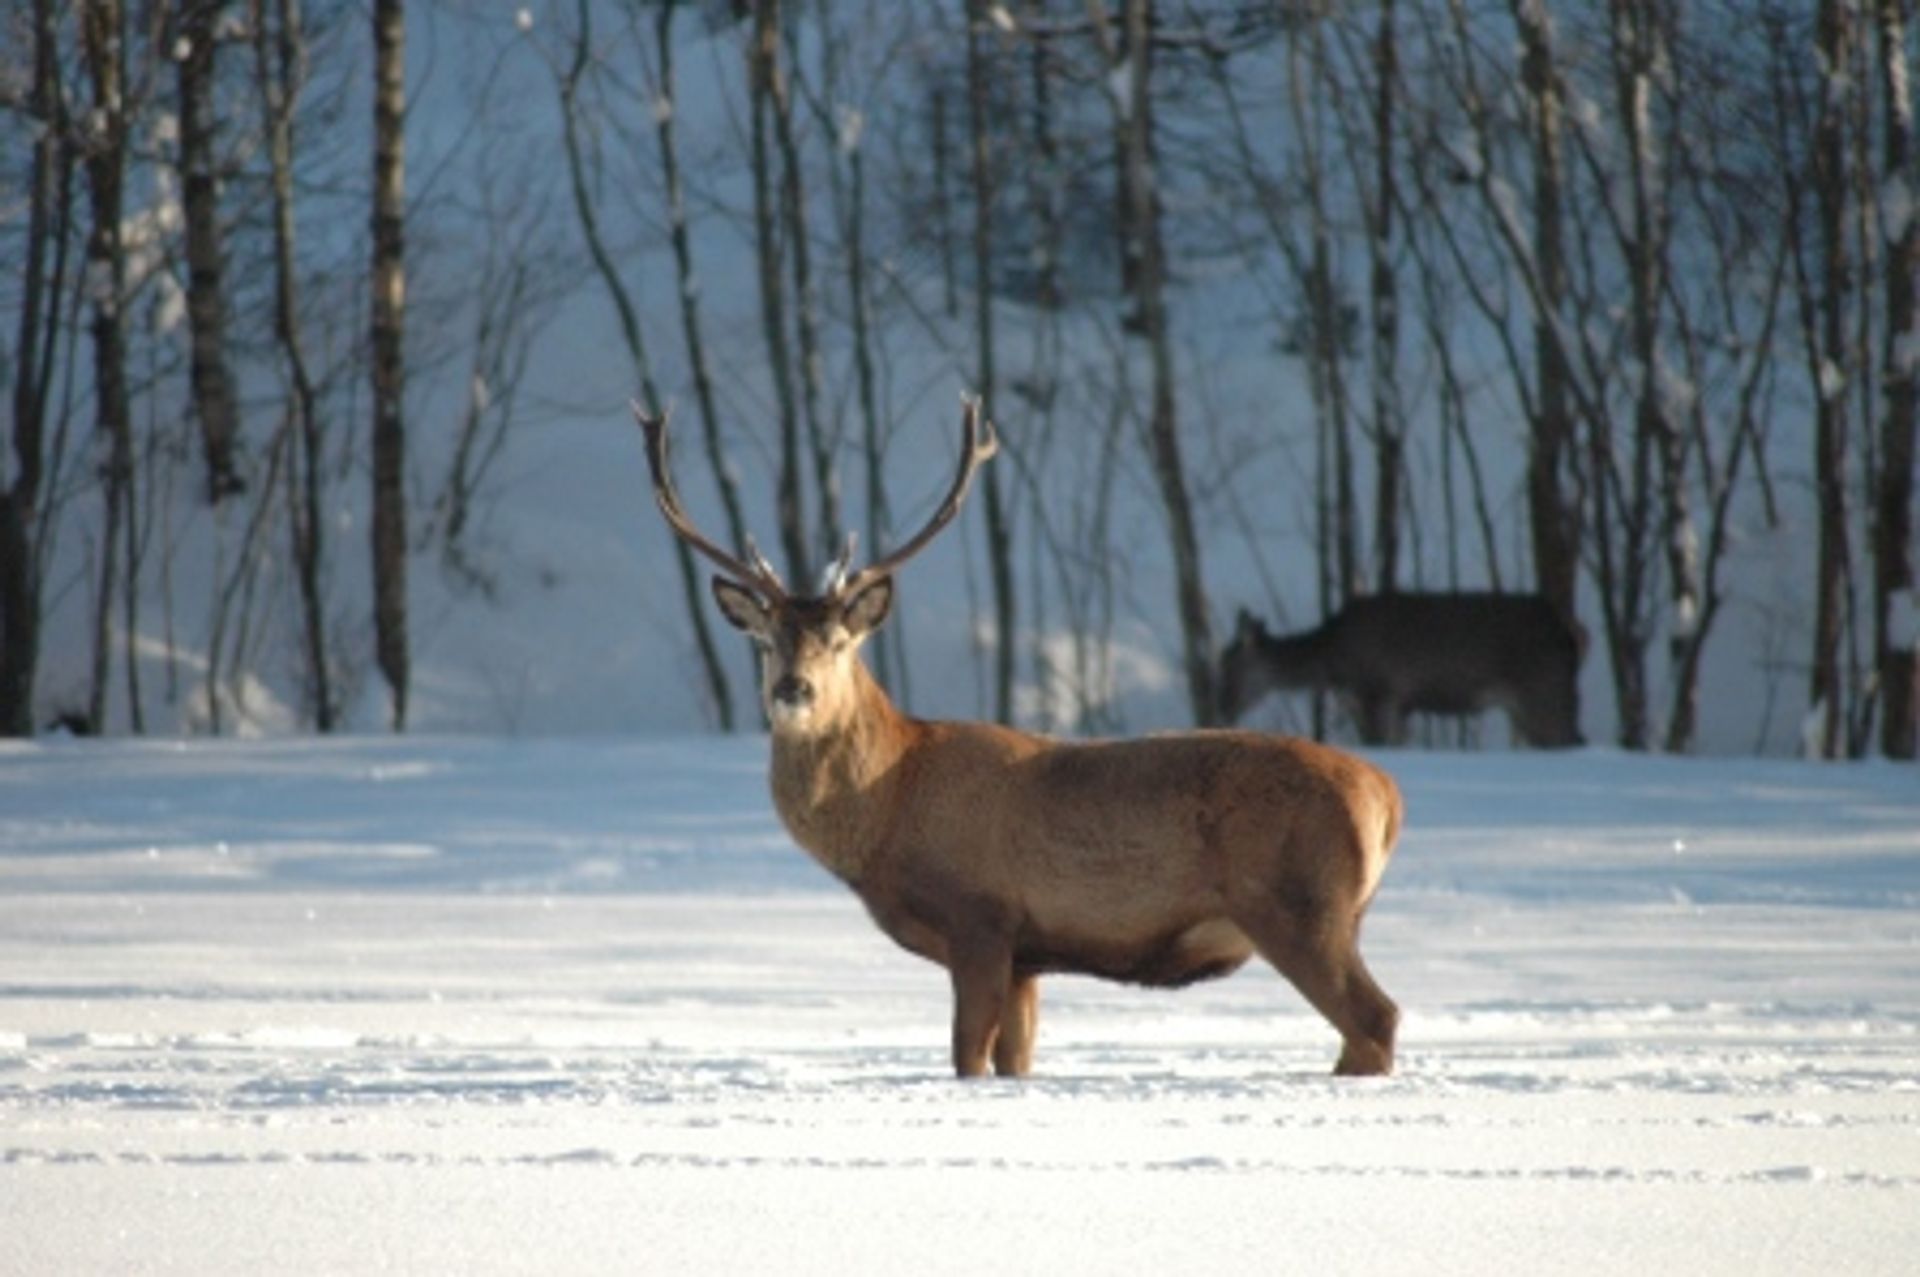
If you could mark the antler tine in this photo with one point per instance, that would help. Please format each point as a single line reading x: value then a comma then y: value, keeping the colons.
x: 834, y: 578
x: 978, y: 444
x: 754, y: 571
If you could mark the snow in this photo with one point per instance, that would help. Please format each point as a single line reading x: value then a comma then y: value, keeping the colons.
x: 488, y: 1006
x: 1120, y: 89
x: 853, y: 124
x: 1833, y: 381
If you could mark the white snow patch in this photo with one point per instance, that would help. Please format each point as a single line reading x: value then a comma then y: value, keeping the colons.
x: 1119, y: 84
x: 1686, y: 616
x: 853, y: 123
x: 1833, y: 381
x: 1066, y: 691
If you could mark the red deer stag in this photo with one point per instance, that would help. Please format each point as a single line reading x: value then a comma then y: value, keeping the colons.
x: 1395, y: 654
x: 1005, y: 856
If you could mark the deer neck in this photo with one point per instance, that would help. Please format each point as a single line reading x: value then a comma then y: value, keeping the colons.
x: 1296, y: 660
x: 834, y: 786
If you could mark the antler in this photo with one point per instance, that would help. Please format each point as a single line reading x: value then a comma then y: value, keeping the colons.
x: 978, y: 444
x: 753, y: 571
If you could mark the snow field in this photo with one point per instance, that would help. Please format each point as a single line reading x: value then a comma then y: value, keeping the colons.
x: 578, y: 1006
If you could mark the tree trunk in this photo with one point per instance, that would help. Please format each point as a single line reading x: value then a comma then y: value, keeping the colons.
x: 389, y: 540
x: 1325, y: 347
x: 999, y: 535
x: 763, y: 68
x: 693, y: 597
x: 1131, y: 67
x: 688, y: 280
x: 279, y: 54
x: 1636, y: 54
x: 1389, y: 428
x: 104, y: 32
x: 1553, y: 517
x: 212, y: 382
x: 889, y: 655
x: 48, y: 217
x: 1896, y: 595
x: 823, y: 438
x: 942, y: 204
x: 1830, y: 182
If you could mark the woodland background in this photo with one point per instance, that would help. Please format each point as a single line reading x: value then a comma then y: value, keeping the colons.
x: 320, y: 320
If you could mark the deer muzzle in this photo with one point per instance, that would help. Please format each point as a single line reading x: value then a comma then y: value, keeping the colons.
x: 791, y: 699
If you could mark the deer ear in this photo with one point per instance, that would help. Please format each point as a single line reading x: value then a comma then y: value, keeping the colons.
x: 742, y: 608
x: 1246, y: 624
x: 863, y: 613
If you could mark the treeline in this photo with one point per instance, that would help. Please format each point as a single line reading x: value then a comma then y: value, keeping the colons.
x: 1587, y: 299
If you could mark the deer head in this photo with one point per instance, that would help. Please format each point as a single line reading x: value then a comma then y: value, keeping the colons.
x: 811, y: 676
x: 1240, y: 680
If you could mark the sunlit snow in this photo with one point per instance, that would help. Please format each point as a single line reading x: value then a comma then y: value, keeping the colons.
x: 478, y: 1006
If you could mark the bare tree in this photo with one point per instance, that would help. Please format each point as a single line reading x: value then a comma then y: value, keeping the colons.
x: 766, y: 83
x: 1389, y: 429
x: 213, y: 398
x: 1824, y: 309
x: 823, y: 437
x: 1553, y: 512
x: 998, y: 534
x: 104, y: 38
x: 1896, y: 581
x: 1130, y: 98
x: 1722, y: 328
x: 839, y: 112
x: 389, y: 285
x: 280, y: 71
x: 571, y: 83
x: 1324, y: 339
x: 1372, y: 90
x: 43, y: 288
x: 664, y: 116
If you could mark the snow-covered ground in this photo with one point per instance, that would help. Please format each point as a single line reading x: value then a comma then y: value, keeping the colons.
x: 481, y: 1006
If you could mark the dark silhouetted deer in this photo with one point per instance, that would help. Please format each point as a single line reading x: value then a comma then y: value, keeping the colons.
x: 1005, y: 856
x: 1395, y: 654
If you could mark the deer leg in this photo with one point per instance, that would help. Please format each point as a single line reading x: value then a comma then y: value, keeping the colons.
x: 982, y: 978
x: 1319, y: 956
x: 1013, y: 1049
x: 1376, y: 718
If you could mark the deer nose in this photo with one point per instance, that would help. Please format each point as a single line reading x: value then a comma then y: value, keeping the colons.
x: 792, y: 690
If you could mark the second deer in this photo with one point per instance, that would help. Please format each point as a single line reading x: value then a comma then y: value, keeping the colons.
x: 1395, y: 654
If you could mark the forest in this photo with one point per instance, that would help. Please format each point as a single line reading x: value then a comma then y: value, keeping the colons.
x: 1274, y: 304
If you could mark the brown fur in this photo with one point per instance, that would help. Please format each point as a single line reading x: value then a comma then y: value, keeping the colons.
x: 1005, y: 856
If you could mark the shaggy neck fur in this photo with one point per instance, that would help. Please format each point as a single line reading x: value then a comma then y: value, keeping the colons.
x: 834, y: 779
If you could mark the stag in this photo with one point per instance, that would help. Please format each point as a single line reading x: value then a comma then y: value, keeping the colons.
x: 1394, y: 654
x: 1004, y: 856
